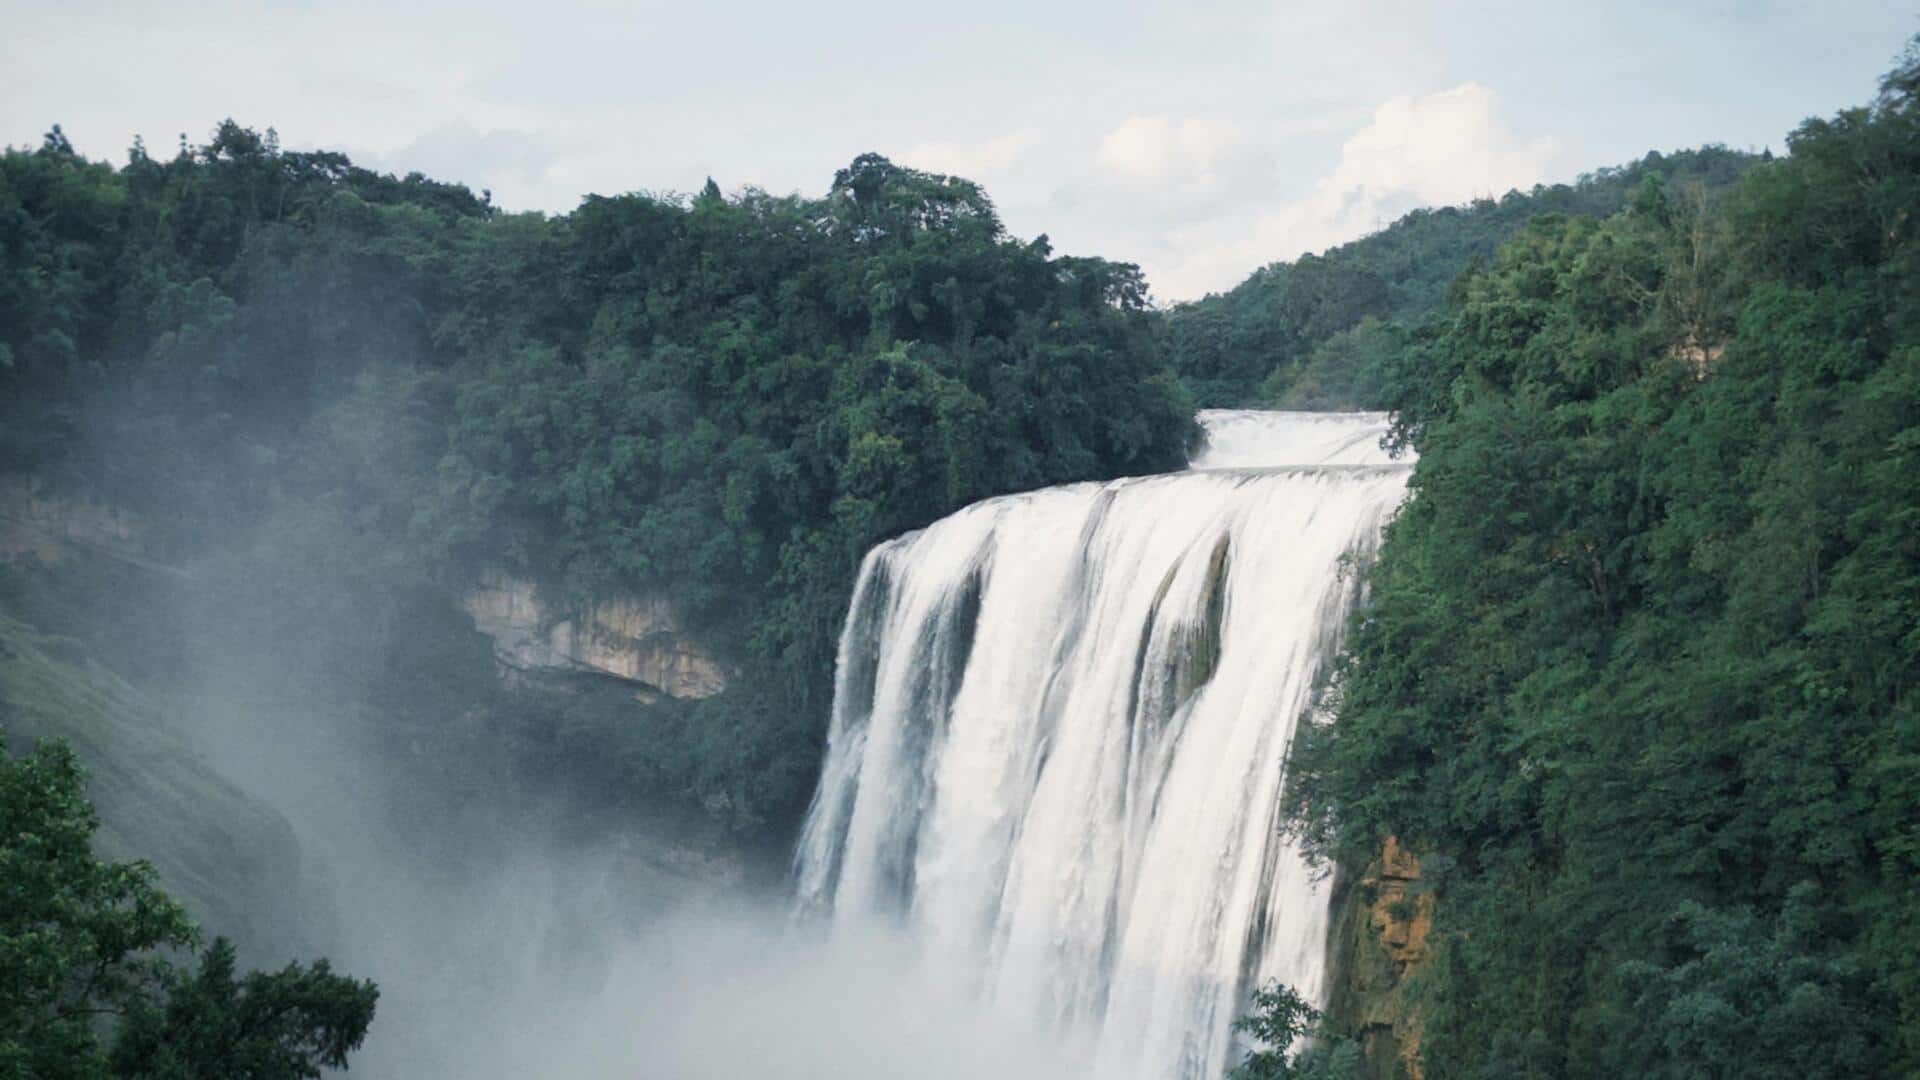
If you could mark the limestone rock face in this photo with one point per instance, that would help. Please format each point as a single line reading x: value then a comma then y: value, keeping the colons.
x: 1400, y: 922
x: 47, y: 527
x: 641, y: 639
x: 1383, y: 919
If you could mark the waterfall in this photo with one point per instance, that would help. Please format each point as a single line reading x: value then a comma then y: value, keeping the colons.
x: 1059, y: 734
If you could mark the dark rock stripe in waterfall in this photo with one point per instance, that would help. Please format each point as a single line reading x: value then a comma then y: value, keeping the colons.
x: 940, y: 652
x: 859, y: 668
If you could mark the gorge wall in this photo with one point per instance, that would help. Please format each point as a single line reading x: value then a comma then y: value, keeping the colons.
x: 1382, y: 918
x: 639, y: 639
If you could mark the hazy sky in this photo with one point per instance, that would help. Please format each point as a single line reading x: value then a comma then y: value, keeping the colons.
x: 1199, y: 139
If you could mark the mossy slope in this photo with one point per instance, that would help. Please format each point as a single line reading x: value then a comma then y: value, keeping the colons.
x: 231, y: 859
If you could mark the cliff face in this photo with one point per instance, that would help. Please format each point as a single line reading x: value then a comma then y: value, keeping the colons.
x: 1382, y: 919
x: 640, y: 639
x: 38, y: 525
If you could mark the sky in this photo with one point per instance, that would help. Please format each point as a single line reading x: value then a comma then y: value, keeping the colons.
x: 1199, y: 139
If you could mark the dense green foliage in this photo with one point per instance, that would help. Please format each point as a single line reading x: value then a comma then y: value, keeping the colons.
x: 335, y: 396
x: 84, y: 948
x: 1315, y: 333
x: 1278, y: 1019
x: 1638, y: 675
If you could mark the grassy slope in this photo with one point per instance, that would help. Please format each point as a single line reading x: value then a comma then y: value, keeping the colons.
x: 231, y: 859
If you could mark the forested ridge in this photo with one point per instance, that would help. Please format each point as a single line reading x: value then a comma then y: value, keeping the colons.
x: 1318, y: 332
x: 382, y: 386
x: 1637, y: 676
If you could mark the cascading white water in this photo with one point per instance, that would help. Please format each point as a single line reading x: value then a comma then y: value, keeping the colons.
x: 1059, y: 736
x: 1238, y: 438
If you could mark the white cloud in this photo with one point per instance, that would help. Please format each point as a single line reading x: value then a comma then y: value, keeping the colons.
x: 516, y: 165
x: 1446, y: 147
x: 1158, y: 147
x: 972, y: 160
x: 1436, y: 149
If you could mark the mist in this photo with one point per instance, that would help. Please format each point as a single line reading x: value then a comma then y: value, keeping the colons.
x: 527, y: 937
x: 732, y: 992
x: 516, y: 925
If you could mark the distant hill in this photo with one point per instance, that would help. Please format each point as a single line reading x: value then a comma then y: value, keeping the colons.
x: 1302, y: 333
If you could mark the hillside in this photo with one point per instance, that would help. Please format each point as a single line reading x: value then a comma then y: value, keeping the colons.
x: 230, y: 858
x: 1312, y: 333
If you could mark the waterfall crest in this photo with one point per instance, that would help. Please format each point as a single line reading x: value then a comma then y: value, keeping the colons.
x: 1059, y: 730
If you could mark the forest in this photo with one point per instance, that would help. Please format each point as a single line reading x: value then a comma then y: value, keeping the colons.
x: 388, y: 385
x: 1639, y: 664
x: 1635, y: 676
x: 1319, y: 332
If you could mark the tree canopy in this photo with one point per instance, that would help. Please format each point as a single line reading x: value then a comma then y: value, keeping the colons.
x: 388, y: 385
x: 1314, y: 333
x: 89, y: 947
